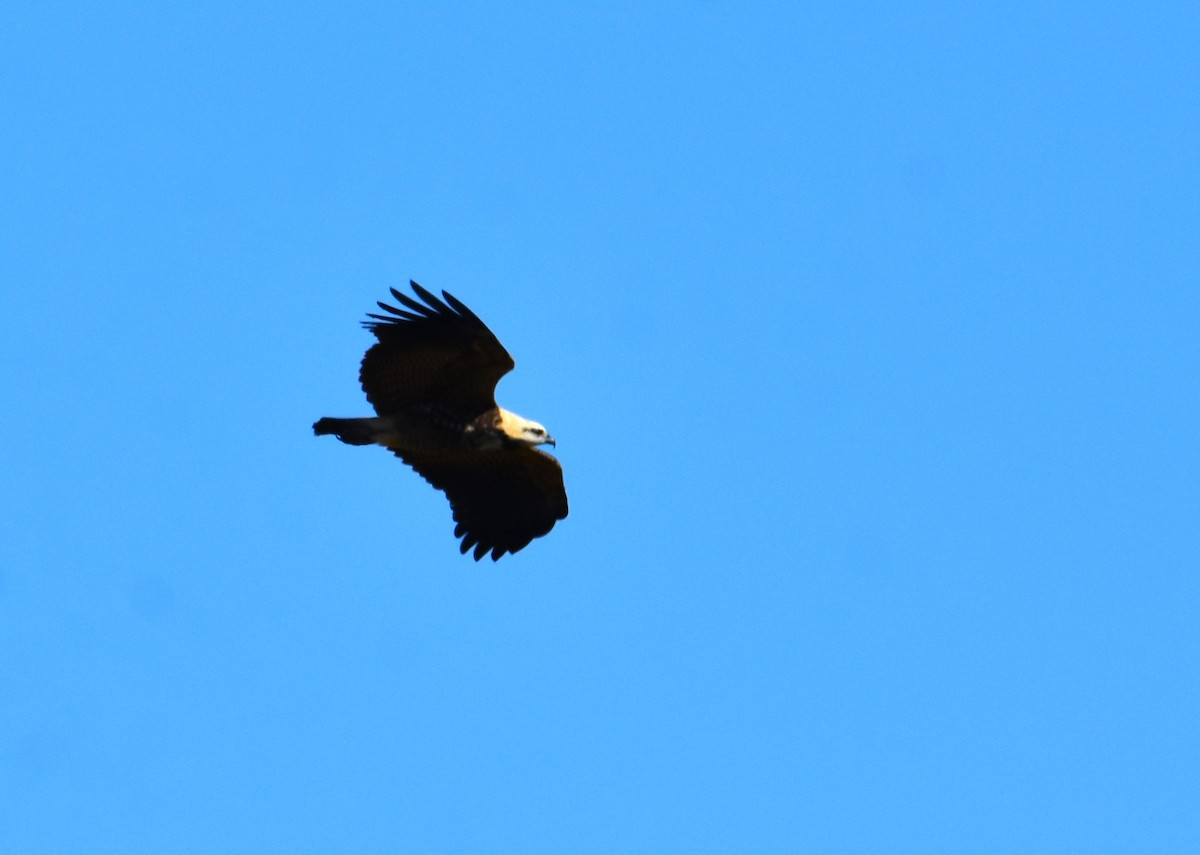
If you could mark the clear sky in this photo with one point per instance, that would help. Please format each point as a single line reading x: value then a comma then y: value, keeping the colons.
x: 870, y: 336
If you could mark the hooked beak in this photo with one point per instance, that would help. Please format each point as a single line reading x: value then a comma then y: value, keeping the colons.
x: 550, y: 441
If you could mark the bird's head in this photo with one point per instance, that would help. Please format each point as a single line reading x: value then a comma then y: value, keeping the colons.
x: 522, y: 430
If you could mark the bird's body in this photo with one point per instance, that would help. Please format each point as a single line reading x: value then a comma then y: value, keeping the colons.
x: 431, y: 378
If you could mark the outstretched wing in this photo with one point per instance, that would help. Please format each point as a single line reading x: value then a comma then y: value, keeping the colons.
x: 501, y: 499
x: 431, y: 351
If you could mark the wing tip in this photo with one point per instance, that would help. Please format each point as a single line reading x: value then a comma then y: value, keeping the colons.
x: 479, y: 548
x: 448, y: 307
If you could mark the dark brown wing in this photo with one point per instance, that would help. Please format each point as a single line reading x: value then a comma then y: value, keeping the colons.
x: 434, y: 352
x: 501, y: 499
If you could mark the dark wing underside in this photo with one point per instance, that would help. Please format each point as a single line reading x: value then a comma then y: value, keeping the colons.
x: 501, y: 499
x: 431, y: 352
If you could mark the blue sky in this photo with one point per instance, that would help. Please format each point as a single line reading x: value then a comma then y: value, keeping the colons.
x: 869, y: 336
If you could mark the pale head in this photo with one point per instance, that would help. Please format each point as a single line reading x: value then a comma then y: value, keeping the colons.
x: 523, y: 430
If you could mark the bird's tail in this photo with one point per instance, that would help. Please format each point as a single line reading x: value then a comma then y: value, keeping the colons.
x: 349, y: 431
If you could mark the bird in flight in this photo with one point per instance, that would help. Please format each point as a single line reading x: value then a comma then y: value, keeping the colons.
x: 431, y: 378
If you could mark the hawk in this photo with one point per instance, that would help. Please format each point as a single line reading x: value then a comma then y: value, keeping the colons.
x: 431, y: 378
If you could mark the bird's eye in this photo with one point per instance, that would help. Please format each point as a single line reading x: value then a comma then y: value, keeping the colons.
x: 538, y: 431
